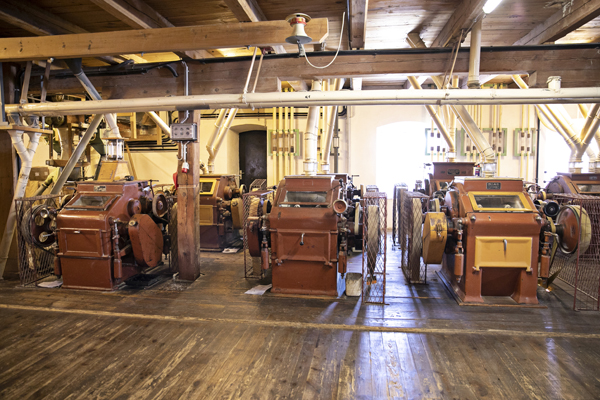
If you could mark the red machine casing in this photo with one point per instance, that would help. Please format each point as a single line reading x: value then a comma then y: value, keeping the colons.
x: 310, y: 268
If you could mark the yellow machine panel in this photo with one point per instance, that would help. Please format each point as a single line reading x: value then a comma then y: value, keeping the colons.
x: 497, y: 251
x: 435, y: 233
x: 206, y: 215
x: 237, y: 213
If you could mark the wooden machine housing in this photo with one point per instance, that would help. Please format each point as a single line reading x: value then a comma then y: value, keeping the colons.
x: 220, y: 211
x: 106, y: 235
x: 500, y: 243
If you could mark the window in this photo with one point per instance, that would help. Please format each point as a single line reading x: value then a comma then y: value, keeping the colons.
x: 400, y: 155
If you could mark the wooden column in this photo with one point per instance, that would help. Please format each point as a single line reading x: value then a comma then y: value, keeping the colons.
x: 188, y: 209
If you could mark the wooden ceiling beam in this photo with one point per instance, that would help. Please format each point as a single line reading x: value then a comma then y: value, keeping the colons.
x: 249, y: 11
x: 40, y: 22
x: 261, y: 34
x: 33, y: 19
x: 463, y: 18
x: 576, y: 65
x: 571, y: 16
x: 358, y: 23
x: 139, y: 15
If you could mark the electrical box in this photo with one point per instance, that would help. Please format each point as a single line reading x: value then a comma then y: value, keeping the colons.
x: 184, y: 132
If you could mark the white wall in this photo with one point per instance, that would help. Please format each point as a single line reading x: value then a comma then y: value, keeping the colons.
x: 358, y: 130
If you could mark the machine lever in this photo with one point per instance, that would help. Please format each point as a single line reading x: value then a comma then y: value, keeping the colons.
x: 505, y: 244
x: 302, y: 240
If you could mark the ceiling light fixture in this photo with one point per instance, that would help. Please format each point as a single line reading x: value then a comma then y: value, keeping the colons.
x: 491, y: 5
x: 299, y: 36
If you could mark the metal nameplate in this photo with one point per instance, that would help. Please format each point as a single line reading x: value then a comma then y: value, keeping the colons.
x: 99, y: 188
x: 493, y: 185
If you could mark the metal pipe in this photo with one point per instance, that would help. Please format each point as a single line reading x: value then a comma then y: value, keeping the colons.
x: 311, y: 134
x: 301, y: 99
x: 588, y: 132
x: 26, y: 154
x: 160, y: 122
x: 338, y: 84
x: 475, y: 55
x: 75, y: 66
x: 85, y: 139
x: 481, y: 143
x: 436, y: 119
x: 218, y: 125
x: 215, y: 149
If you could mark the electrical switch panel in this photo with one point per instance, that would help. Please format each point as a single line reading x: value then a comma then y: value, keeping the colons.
x: 184, y: 132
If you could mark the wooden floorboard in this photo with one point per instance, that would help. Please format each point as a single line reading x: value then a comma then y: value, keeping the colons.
x: 209, y: 340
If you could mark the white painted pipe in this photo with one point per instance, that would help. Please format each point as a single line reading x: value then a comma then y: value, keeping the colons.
x: 311, y: 134
x: 74, y: 159
x: 26, y: 154
x: 216, y: 131
x: 314, y: 98
x: 337, y: 85
x: 475, y: 55
x: 219, y: 141
x: 160, y: 122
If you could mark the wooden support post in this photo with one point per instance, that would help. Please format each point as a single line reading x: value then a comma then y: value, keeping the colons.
x: 188, y: 209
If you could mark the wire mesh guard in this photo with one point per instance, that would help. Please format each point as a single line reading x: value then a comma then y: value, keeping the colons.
x: 374, y: 247
x: 254, y: 206
x: 258, y: 184
x: 35, y: 237
x: 397, y: 212
x: 411, y: 238
x: 581, y: 269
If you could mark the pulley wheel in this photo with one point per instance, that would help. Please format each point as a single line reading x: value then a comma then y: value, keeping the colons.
x: 160, y: 207
x: 574, y: 220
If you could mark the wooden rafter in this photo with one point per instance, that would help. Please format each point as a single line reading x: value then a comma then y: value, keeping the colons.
x: 249, y: 11
x: 40, y: 22
x: 261, y: 34
x: 570, y: 17
x: 464, y: 16
x: 358, y: 23
x: 138, y: 14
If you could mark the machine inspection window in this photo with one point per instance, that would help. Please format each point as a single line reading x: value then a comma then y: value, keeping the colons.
x: 90, y: 203
x: 305, y: 198
x: 206, y: 187
x: 585, y: 188
x: 498, y: 202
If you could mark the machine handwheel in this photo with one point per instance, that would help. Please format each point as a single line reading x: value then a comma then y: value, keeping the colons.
x: 160, y: 207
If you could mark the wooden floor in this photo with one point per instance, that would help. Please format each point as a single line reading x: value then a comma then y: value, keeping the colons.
x: 209, y: 340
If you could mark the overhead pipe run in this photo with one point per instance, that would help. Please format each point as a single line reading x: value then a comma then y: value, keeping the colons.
x: 317, y: 98
x: 331, y: 124
x: 26, y: 154
x: 311, y: 134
